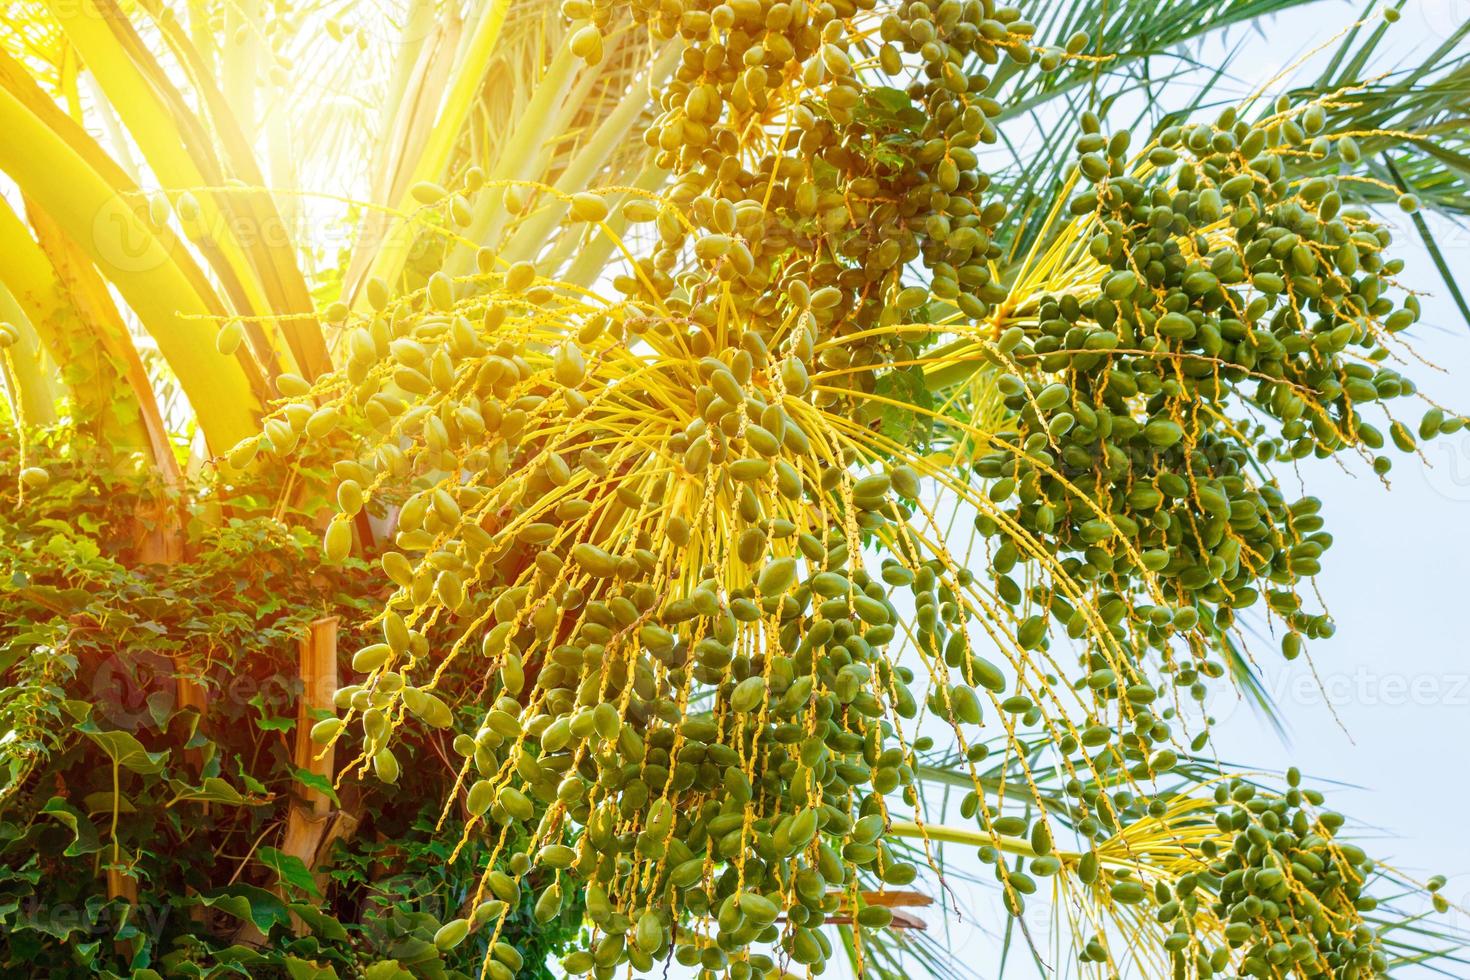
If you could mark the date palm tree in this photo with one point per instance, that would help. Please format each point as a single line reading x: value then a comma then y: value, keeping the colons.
x: 749, y: 450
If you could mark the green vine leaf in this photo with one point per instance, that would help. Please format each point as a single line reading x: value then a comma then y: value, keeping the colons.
x: 300, y: 969
x: 103, y: 801
x: 387, y: 970
x: 903, y: 425
x: 323, y: 925
x: 125, y: 750
x: 290, y: 869
x: 212, y: 790
x: 85, y: 840
x: 317, y: 782
x: 250, y: 904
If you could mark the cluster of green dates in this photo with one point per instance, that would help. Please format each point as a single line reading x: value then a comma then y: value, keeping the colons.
x: 867, y: 182
x: 704, y: 756
x: 1278, y: 895
x: 1240, y: 318
x: 779, y: 789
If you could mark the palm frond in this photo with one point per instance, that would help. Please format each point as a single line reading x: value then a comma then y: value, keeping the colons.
x: 1416, y: 111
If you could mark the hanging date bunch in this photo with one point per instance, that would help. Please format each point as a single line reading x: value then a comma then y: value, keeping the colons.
x: 709, y: 592
x: 1241, y: 317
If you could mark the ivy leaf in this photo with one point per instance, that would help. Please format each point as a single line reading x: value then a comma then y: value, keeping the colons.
x: 890, y: 153
x: 275, y: 724
x: 250, y: 783
x: 300, y: 969
x: 64, y: 601
x: 239, y: 954
x: 901, y: 424
x: 322, y: 924
x: 193, y: 737
x: 160, y: 707
x: 125, y: 750
x: 317, y: 782
x: 414, y: 951
x: 84, y: 834
x: 212, y: 790
x: 251, y: 904
x: 290, y: 869
x: 63, y: 923
x: 80, y: 710
x: 885, y: 108
x: 103, y: 800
